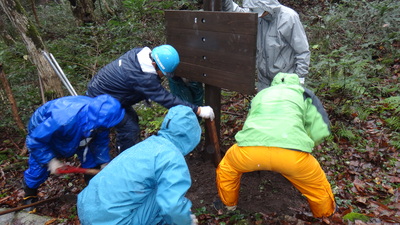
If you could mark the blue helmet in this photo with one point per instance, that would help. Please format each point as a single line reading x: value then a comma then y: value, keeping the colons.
x: 166, y: 58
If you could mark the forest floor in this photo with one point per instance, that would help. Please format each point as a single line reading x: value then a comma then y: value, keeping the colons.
x: 265, y: 197
x: 366, y: 182
x: 266, y: 193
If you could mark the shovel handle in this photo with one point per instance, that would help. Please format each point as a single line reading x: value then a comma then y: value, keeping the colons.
x: 215, y: 141
x: 72, y: 169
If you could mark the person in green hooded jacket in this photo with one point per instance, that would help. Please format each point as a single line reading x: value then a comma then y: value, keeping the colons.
x: 284, y: 124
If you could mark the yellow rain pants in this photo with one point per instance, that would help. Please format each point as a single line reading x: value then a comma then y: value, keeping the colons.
x: 300, y: 168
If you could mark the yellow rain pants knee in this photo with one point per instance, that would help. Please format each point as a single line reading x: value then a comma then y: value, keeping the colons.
x: 300, y: 168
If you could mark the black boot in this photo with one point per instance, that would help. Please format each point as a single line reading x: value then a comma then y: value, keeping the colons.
x: 29, y: 198
x: 87, y: 178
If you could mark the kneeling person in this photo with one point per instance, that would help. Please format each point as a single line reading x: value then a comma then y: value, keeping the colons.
x: 147, y: 183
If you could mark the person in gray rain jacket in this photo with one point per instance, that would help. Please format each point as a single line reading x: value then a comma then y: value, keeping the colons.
x: 282, y: 44
x: 136, y: 76
x: 64, y: 127
x: 146, y: 184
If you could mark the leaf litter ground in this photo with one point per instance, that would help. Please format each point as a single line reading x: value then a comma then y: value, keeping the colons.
x: 362, y: 184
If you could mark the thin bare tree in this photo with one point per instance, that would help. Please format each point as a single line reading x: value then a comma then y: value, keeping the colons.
x: 11, y: 99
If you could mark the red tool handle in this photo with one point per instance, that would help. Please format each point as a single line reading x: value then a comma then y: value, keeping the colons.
x: 71, y: 169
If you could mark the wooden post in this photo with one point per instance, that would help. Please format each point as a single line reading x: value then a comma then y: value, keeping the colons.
x: 212, y: 98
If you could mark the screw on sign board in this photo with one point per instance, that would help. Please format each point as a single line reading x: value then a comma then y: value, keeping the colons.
x: 215, y: 48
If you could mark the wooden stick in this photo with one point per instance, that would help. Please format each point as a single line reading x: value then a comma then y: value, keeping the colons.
x: 27, y: 206
x: 215, y: 141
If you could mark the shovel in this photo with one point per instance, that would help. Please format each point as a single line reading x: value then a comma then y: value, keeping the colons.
x: 72, y: 169
x: 214, y: 140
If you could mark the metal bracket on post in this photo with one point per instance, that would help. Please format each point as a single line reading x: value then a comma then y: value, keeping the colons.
x: 59, y: 72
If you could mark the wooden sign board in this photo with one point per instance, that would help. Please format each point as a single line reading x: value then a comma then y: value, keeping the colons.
x: 215, y: 48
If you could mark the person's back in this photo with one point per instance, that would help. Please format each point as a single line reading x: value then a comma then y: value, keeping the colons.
x: 124, y: 79
x: 146, y: 184
x: 56, y: 128
x: 280, y: 117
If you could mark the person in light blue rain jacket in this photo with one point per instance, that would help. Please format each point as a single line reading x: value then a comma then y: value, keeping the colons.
x: 146, y: 184
x: 64, y: 127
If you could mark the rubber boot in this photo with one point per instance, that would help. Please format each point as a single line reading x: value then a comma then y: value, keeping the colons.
x: 29, y: 198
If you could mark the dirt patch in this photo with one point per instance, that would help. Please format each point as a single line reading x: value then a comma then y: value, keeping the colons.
x: 261, y: 191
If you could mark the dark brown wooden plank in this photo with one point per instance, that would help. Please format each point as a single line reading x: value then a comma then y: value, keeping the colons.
x: 213, y: 41
x: 234, y: 63
x: 222, y: 22
x: 215, y: 48
x: 243, y: 83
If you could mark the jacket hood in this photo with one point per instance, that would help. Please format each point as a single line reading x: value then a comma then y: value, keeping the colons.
x: 181, y: 127
x: 266, y: 5
x: 105, y: 112
x: 286, y: 78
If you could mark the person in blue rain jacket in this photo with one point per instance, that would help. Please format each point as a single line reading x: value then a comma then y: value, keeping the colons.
x: 146, y: 184
x: 64, y: 127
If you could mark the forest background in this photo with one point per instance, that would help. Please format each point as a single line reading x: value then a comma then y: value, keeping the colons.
x: 355, y: 70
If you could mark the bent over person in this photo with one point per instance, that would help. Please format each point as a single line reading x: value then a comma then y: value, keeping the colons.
x: 147, y: 183
x: 64, y: 127
x: 284, y: 123
x: 134, y: 77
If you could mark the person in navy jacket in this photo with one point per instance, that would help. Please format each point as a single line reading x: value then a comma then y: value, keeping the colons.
x: 64, y: 127
x: 134, y: 77
x: 147, y: 183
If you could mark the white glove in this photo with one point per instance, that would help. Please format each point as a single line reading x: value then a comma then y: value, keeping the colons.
x: 231, y: 208
x: 54, y: 164
x: 302, y: 80
x: 194, y: 219
x: 206, y: 112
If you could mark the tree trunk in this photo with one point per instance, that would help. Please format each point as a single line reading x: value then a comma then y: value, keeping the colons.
x: 13, y: 103
x: 83, y: 10
x: 34, y: 45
